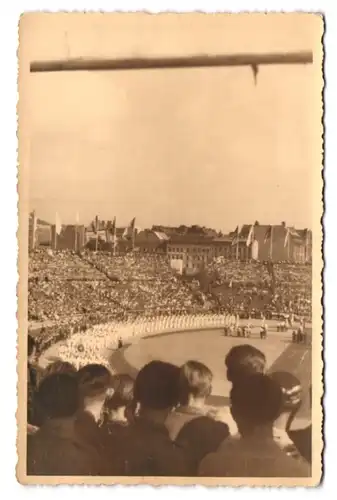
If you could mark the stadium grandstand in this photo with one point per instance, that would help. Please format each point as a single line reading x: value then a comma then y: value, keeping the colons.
x: 114, y: 320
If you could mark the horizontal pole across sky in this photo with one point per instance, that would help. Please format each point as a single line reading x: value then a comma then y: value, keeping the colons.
x: 199, y: 61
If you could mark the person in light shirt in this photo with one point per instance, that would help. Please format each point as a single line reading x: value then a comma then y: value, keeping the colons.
x: 193, y: 424
x: 255, y: 405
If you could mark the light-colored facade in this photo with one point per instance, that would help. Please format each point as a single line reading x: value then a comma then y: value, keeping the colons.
x: 194, y: 252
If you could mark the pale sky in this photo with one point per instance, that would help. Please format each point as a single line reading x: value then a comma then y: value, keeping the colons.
x: 187, y: 146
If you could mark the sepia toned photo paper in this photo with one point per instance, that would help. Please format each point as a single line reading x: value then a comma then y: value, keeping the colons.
x: 170, y: 318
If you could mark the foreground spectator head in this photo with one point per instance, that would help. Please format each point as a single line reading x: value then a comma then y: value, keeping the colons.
x: 116, y: 405
x: 291, y: 390
x: 58, y: 395
x: 195, y: 383
x: 157, y: 387
x: 244, y: 360
x: 256, y: 403
x: 94, y: 382
x: 59, y: 367
x: 292, y: 397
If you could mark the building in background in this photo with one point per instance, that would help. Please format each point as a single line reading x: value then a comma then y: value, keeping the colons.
x: 194, y: 246
x: 39, y: 232
x: 276, y: 243
x: 148, y: 241
x: 72, y: 237
x: 222, y: 247
x: 194, y: 251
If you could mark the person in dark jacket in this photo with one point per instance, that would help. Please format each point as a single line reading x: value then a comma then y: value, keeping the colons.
x: 68, y: 442
x: 147, y: 447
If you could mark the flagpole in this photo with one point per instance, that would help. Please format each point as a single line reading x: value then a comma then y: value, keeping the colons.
x: 32, y: 242
x: 96, y: 225
x: 76, y: 231
x: 271, y: 243
x: 114, y: 238
x: 306, y: 247
x: 288, y: 246
x: 237, y: 244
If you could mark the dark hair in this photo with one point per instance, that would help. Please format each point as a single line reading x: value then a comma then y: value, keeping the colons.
x: 31, y: 345
x: 291, y: 389
x: 258, y: 398
x: 122, y: 386
x: 59, y: 367
x: 244, y: 360
x: 94, y: 380
x: 195, y: 379
x: 58, y: 395
x: 157, y: 385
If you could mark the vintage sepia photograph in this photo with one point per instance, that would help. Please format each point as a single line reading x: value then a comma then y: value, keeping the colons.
x: 170, y: 249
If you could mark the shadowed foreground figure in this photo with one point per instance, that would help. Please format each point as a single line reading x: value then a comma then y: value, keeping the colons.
x: 193, y: 425
x: 302, y: 438
x: 242, y: 361
x: 34, y: 377
x: 147, y: 447
x: 68, y: 442
x: 118, y: 408
x: 255, y: 405
x: 291, y: 403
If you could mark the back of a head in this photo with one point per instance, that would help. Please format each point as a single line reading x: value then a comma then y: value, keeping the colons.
x: 122, y: 392
x: 257, y: 400
x: 58, y: 395
x: 244, y: 360
x: 291, y: 389
x: 157, y: 386
x: 195, y: 380
x: 94, y: 381
x: 59, y: 367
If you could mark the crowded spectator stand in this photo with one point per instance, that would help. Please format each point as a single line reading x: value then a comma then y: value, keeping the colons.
x: 70, y: 293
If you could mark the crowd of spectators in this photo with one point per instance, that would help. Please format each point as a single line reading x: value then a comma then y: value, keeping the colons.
x: 66, y: 284
x: 70, y: 292
x: 252, y: 288
x: 90, y: 422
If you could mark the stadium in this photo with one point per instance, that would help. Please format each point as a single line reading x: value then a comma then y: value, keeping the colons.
x: 125, y: 311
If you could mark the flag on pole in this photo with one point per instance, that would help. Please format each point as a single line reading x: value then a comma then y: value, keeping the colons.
x: 129, y: 231
x: 58, y: 224
x: 77, y: 221
x: 32, y: 230
x: 94, y: 225
x: 306, y: 244
x: 286, y: 239
x: 250, y: 236
x: 235, y: 239
x: 267, y: 236
x: 113, y: 230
